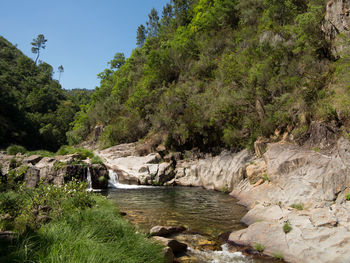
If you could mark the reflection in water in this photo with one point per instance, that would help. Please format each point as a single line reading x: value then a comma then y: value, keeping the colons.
x: 206, y: 214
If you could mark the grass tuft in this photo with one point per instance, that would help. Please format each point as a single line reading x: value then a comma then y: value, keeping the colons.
x: 287, y: 228
x: 259, y: 247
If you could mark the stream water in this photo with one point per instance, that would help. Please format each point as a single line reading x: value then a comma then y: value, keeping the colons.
x: 206, y: 214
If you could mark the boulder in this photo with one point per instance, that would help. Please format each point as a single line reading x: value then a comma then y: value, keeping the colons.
x: 166, y: 230
x: 176, y: 246
x: 168, y: 255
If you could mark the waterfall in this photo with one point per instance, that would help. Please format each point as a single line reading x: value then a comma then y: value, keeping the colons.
x: 114, y: 183
x: 113, y: 179
x: 88, y: 177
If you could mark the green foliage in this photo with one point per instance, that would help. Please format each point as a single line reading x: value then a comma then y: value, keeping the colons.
x: 98, y: 234
x: 217, y: 73
x: 287, y: 228
x: 278, y: 256
x: 14, y: 149
x: 297, y: 206
x: 259, y: 247
x: 42, y: 153
x: 96, y: 160
x: 347, y: 197
x: 34, y: 110
x: 266, y: 177
x: 82, y: 152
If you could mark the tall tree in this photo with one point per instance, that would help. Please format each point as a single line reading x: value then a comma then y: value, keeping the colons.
x: 117, y: 61
x: 141, y: 36
x: 38, y: 43
x: 153, y: 23
x: 60, y: 70
x: 167, y: 14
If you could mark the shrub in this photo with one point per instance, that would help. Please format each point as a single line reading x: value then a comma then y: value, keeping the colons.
x: 83, y: 153
x: 287, y: 228
x: 266, y: 177
x: 297, y: 206
x: 278, y: 256
x: 347, y: 197
x: 14, y: 149
x: 259, y: 247
x: 42, y: 153
x: 96, y: 160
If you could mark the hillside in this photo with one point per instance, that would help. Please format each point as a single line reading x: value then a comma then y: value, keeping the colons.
x: 34, y: 109
x: 221, y: 73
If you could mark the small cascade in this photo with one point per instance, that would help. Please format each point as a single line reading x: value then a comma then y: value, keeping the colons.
x: 114, y: 183
x: 88, y: 177
x: 113, y: 179
x: 225, y: 255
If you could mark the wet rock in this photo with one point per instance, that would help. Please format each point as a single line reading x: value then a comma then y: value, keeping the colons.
x: 166, y: 230
x: 176, y: 246
x: 99, y: 176
x: 168, y: 255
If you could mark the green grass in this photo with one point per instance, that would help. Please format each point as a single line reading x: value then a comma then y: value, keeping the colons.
x: 287, y: 228
x: 96, y: 160
x: 266, y: 177
x: 42, y: 153
x: 83, y: 153
x: 278, y: 256
x: 259, y: 247
x: 297, y: 206
x: 92, y: 235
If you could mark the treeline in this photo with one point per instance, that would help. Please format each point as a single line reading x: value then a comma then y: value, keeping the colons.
x: 211, y: 73
x: 34, y: 109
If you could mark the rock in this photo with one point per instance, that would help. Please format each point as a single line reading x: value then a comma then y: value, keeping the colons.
x: 166, y: 230
x: 165, y: 173
x: 337, y: 23
x: 99, y: 176
x: 33, y: 159
x: 32, y: 177
x: 260, y: 146
x: 168, y: 255
x: 176, y: 246
x: 220, y: 173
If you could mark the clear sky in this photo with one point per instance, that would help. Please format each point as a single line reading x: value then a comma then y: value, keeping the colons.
x: 83, y: 35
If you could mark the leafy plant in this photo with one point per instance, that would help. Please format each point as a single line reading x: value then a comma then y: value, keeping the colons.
x: 14, y: 149
x: 82, y: 153
x: 266, y: 177
x: 347, y: 196
x: 96, y: 160
x: 287, y: 228
x: 259, y: 247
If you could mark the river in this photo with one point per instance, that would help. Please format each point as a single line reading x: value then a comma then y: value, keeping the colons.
x: 206, y: 214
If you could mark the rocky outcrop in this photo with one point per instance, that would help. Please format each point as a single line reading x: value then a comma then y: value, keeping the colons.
x: 52, y: 170
x: 220, y: 172
x: 176, y: 246
x: 337, y: 24
x: 132, y: 168
x: 306, y: 190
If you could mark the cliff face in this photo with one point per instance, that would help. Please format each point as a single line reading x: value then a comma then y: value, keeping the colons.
x: 337, y: 24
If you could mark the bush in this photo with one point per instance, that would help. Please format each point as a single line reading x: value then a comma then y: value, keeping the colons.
x: 14, y: 149
x: 42, y: 153
x: 83, y: 153
x: 259, y: 247
x: 347, y: 197
x: 96, y: 160
x: 297, y: 206
x: 287, y: 228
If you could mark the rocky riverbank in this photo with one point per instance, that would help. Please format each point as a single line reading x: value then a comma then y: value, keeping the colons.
x: 52, y: 170
x: 297, y: 195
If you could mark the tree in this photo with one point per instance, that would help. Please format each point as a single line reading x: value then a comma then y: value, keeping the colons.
x: 167, y: 15
x: 117, y: 61
x: 141, y: 36
x: 38, y: 43
x: 153, y: 23
x: 60, y: 70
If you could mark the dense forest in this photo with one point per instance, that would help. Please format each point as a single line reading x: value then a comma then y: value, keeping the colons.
x: 34, y: 109
x: 211, y: 73
x: 205, y: 73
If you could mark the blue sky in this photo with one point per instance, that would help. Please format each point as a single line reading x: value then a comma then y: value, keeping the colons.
x: 83, y: 35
